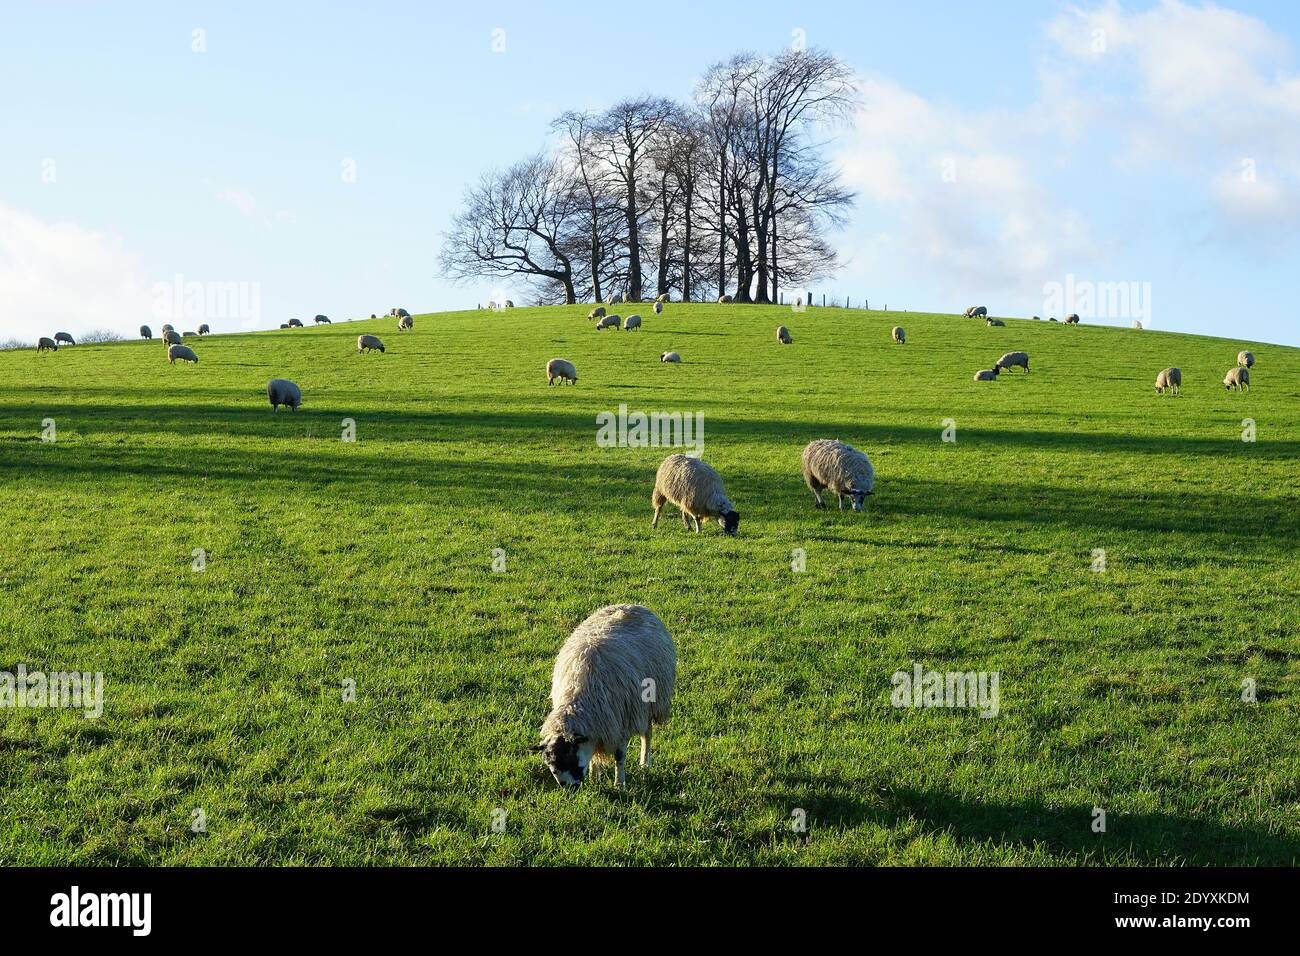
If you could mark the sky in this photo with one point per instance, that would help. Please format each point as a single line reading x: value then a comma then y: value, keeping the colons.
x: 245, y: 163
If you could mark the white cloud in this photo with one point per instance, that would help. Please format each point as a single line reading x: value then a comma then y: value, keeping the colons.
x: 64, y: 277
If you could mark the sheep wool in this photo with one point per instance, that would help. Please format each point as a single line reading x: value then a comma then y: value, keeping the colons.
x: 146, y: 332
x: 1171, y: 379
x: 995, y: 323
x: 46, y: 344
x: 724, y: 299
x: 987, y: 375
x: 405, y: 323
x: 609, y: 322
x: 898, y: 335
x: 613, y: 680
x: 1246, y: 359
x: 633, y: 322
x: 281, y: 391
x: 182, y: 352
x: 171, y: 338
x: 838, y: 467
x: 1013, y: 358
x: 783, y: 335
x: 597, y: 313
x: 659, y: 308
x: 204, y: 330
x: 976, y: 311
x: 1237, y: 378
x: 563, y: 370
x: 366, y: 343
x: 696, y: 489
x: 670, y: 357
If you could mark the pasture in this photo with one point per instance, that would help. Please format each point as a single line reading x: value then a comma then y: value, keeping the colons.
x: 327, y: 561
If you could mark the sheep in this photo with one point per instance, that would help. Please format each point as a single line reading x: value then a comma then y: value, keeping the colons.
x: 659, y: 308
x: 405, y: 324
x: 1137, y: 325
x: 204, y: 330
x: 1246, y: 359
x: 182, y: 352
x: 995, y: 323
x: 898, y: 335
x: 188, y: 334
x: 1072, y: 319
x: 987, y: 375
x: 613, y: 680
x: 597, y: 313
x: 63, y: 338
x: 783, y: 335
x: 46, y: 344
x: 696, y: 489
x: 281, y: 391
x: 168, y: 328
x: 661, y: 298
x: 284, y: 325
x: 1037, y: 319
x: 838, y: 467
x: 1052, y: 319
x: 402, y: 313
x: 609, y: 322
x: 1237, y: 378
x: 632, y: 322
x: 670, y: 357
x: 171, y: 338
x: 295, y: 323
x: 1013, y: 358
x: 322, y: 320
x: 563, y: 370
x: 724, y: 299
x: 976, y: 312
x: 146, y: 332
x: 365, y: 343
x: 1171, y: 379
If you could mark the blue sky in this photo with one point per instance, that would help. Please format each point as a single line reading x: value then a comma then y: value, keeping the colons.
x: 1149, y: 148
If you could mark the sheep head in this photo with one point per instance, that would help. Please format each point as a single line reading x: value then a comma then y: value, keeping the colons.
x: 567, y: 758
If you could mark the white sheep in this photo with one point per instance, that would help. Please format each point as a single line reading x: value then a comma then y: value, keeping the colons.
x: 659, y: 308
x: 1172, y: 379
x: 170, y: 337
x: 783, y: 335
x: 146, y: 332
x: 281, y: 391
x: 365, y: 343
x: 1237, y: 378
x: 632, y: 322
x: 182, y: 352
x: 670, y: 357
x: 696, y: 489
x: 613, y: 680
x: 609, y: 322
x: 724, y: 299
x: 1246, y: 359
x: 563, y: 370
x: 976, y: 311
x: 46, y: 344
x: 189, y: 335
x: 1012, y: 359
x: 405, y: 323
x: 597, y: 313
x: 1072, y: 319
x: 995, y: 323
x: 1137, y: 325
x: 898, y: 335
x: 840, y: 468
x: 168, y: 328
x: 987, y: 375
x: 661, y: 298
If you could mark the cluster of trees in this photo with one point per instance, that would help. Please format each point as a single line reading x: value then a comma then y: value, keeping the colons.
x: 727, y: 194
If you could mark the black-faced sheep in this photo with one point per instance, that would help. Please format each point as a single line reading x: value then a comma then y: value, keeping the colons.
x: 322, y: 320
x: 898, y: 335
x: 367, y: 343
x: 840, y: 468
x: 1246, y: 359
x: 281, y: 391
x: 659, y: 308
x: 724, y: 299
x: 1171, y: 379
x: 405, y: 324
x: 613, y: 680
x: 987, y: 375
x: 632, y: 322
x: 563, y: 370
x: 670, y: 357
x: 1237, y: 379
x: 1012, y: 359
x: 46, y: 344
x: 1072, y: 319
x: 182, y: 352
x: 696, y: 489
x: 977, y: 311
x: 63, y: 338
x: 146, y: 332
x: 170, y: 337
x: 295, y: 323
x: 204, y: 330
x: 995, y: 323
x: 783, y: 335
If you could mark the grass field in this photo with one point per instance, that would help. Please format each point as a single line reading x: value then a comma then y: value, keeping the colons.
x: 371, y: 561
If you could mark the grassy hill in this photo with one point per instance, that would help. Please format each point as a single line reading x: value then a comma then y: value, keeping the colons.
x: 371, y: 561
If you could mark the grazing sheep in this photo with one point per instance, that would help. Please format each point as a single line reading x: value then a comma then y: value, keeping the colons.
x: 659, y: 308
x: 898, y: 335
x: 838, y: 467
x: 670, y: 357
x: 696, y: 489
x: 405, y: 324
x: 281, y: 391
x: 632, y: 322
x: 1137, y: 325
x: 1072, y: 319
x: 284, y: 325
x: 168, y: 328
x: 189, y: 334
x: 146, y: 332
x: 1237, y: 378
x: 597, y: 313
x: 373, y: 316
x: 1013, y: 358
x: 1037, y: 319
x: 1246, y: 359
x: 995, y: 323
x: 182, y: 352
x: 402, y: 313
x: 171, y: 338
x: 1170, y: 378
x: 322, y: 320
x: 204, y: 330
x: 366, y: 343
x: 613, y: 680
x: 295, y: 323
x: 724, y: 299
x: 1053, y: 319
x: 783, y: 335
x: 63, y: 338
x: 563, y: 370
x: 987, y: 375
x: 46, y: 344
x: 976, y: 312
x: 661, y: 298
x: 609, y: 322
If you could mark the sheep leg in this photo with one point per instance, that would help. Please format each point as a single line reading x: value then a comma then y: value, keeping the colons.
x: 686, y: 522
x: 696, y: 519
x: 645, y: 746
x: 654, y: 522
x: 620, y: 778
x: 841, y: 497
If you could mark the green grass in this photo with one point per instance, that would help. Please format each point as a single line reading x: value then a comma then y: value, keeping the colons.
x: 371, y: 561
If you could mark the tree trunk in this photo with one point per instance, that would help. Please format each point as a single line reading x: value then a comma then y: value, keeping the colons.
x: 662, y: 282
x: 595, y: 256
x: 744, y: 263
x: 686, y: 248
x: 722, y: 227
x: 633, y: 236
